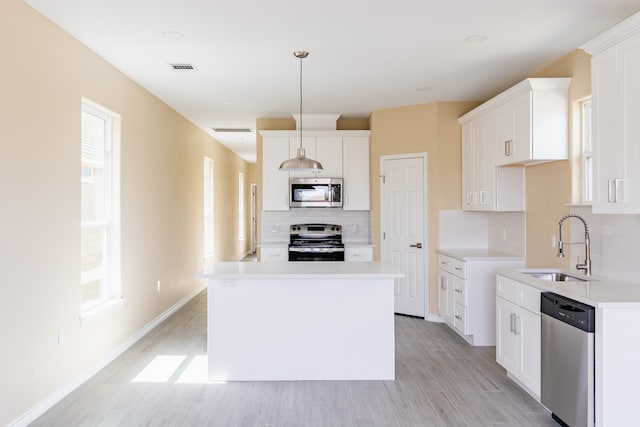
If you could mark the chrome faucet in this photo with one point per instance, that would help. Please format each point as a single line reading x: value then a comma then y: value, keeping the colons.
x: 586, y: 266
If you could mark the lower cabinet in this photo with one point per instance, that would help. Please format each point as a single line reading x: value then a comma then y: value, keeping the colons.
x: 518, y: 345
x: 276, y: 253
x: 358, y: 253
x: 466, y: 295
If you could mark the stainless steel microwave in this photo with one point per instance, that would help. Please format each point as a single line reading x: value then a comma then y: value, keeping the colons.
x: 315, y: 192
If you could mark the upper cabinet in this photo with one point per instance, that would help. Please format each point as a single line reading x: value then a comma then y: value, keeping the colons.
x: 615, y: 81
x: 525, y: 125
x: 343, y: 154
x: 355, y: 168
x: 533, y: 122
x: 325, y: 149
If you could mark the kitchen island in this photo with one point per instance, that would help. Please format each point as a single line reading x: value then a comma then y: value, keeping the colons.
x: 300, y: 321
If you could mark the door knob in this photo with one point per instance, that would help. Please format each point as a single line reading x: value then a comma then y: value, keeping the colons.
x: 417, y: 245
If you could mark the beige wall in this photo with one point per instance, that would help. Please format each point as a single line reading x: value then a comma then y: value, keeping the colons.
x: 551, y: 186
x: 45, y: 73
x: 431, y: 128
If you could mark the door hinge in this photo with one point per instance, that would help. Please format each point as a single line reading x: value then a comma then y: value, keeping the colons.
x: 383, y: 179
x: 384, y: 236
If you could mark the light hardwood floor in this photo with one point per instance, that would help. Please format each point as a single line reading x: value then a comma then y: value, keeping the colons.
x: 440, y: 381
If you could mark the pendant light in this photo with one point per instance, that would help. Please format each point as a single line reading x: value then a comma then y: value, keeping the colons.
x: 300, y: 162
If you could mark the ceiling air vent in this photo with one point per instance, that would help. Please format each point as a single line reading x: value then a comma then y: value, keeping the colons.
x: 235, y: 130
x: 183, y: 67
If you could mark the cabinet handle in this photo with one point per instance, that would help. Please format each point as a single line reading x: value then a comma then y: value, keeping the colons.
x: 459, y: 317
x: 611, y: 191
x: 508, y: 148
x: 458, y: 268
x: 517, y: 326
x: 443, y: 283
x: 483, y: 198
x: 512, y: 321
x: 458, y: 291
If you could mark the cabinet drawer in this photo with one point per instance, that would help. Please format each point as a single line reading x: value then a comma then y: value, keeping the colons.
x: 274, y: 254
x: 530, y: 298
x: 460, y: 290
x: 460, y: 318
x: 358, y: 254
x: 508, y: 289
x: 453, y: 266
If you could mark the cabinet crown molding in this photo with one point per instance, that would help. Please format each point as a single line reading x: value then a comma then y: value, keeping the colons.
x: 612, y: 36
x: 316, y: 133
x: 531, y: 84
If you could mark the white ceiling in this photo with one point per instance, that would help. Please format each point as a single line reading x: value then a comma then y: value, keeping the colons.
x: 365, y: 55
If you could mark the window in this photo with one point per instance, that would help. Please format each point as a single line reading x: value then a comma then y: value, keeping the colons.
x: 241, y: 222
x: 587, y: 151
x: 209, y: 249
x: 100, y: 207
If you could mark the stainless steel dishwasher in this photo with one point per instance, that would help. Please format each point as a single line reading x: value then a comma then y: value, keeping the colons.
x: 568, y: 369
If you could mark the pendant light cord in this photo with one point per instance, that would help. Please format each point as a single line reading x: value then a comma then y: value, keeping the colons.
x: 301, y: 58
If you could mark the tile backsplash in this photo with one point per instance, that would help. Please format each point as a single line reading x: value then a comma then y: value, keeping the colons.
x: 615, y: 243
x: 356, y: 225
x: 499, y: 231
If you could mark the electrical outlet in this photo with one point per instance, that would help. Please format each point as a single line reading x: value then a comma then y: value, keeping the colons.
x: 504, y: 234
x: 158, y: 286
x: 553, y: 240
x: 60, y: 336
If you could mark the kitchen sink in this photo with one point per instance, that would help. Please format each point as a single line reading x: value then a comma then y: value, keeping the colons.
x: 554, y: 276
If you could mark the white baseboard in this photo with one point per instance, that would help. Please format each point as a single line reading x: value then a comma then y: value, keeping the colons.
x: 46, y: 404
x: 434, y: 318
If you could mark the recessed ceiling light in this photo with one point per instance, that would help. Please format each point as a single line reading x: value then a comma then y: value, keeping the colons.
x: 424, y: 89
x: 476, y: 38
x: 173, y: 35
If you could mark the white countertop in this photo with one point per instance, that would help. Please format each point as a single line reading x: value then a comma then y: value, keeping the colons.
x: 299, y: 270
x: 600, y: 292
x: 478, y: 254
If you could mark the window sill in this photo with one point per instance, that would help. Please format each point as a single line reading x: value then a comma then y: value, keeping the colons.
x: 99, y: 310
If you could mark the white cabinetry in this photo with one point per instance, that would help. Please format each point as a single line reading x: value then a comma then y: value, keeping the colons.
x: 355, y: 169
x: 615, y: 79
x: 274, y: 253
x: 343, y: 154
x: 532, y: 124
x: 275, y: 183
x: 325, y: 149
x: 486, y: 187
x: 518, y: 346
x: 358, y: 253
x: 466, y: 295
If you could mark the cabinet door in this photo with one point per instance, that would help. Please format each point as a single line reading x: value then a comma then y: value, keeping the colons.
x: 506, y: 340
x: 485, y: 154
x: 275, y: 183
x: 505, y: 123
x: 522, y: 131
x: 446, y: 300
x: 329, y: 153
x: 528, y: 331
x: 469, y: 199
x: 355, y: 166
x: 616, y: 88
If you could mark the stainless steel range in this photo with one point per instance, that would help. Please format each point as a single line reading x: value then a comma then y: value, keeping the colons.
x: 315, y: 242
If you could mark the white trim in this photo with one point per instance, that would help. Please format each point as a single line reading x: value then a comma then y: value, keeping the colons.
x: 435, y: 318
x: 613, y: 35
x: 43, y: 406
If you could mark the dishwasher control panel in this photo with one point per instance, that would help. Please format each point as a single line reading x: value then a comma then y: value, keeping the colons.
x: 574, y: 313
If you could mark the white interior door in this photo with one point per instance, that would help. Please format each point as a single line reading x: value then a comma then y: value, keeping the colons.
x: 403, y: 225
